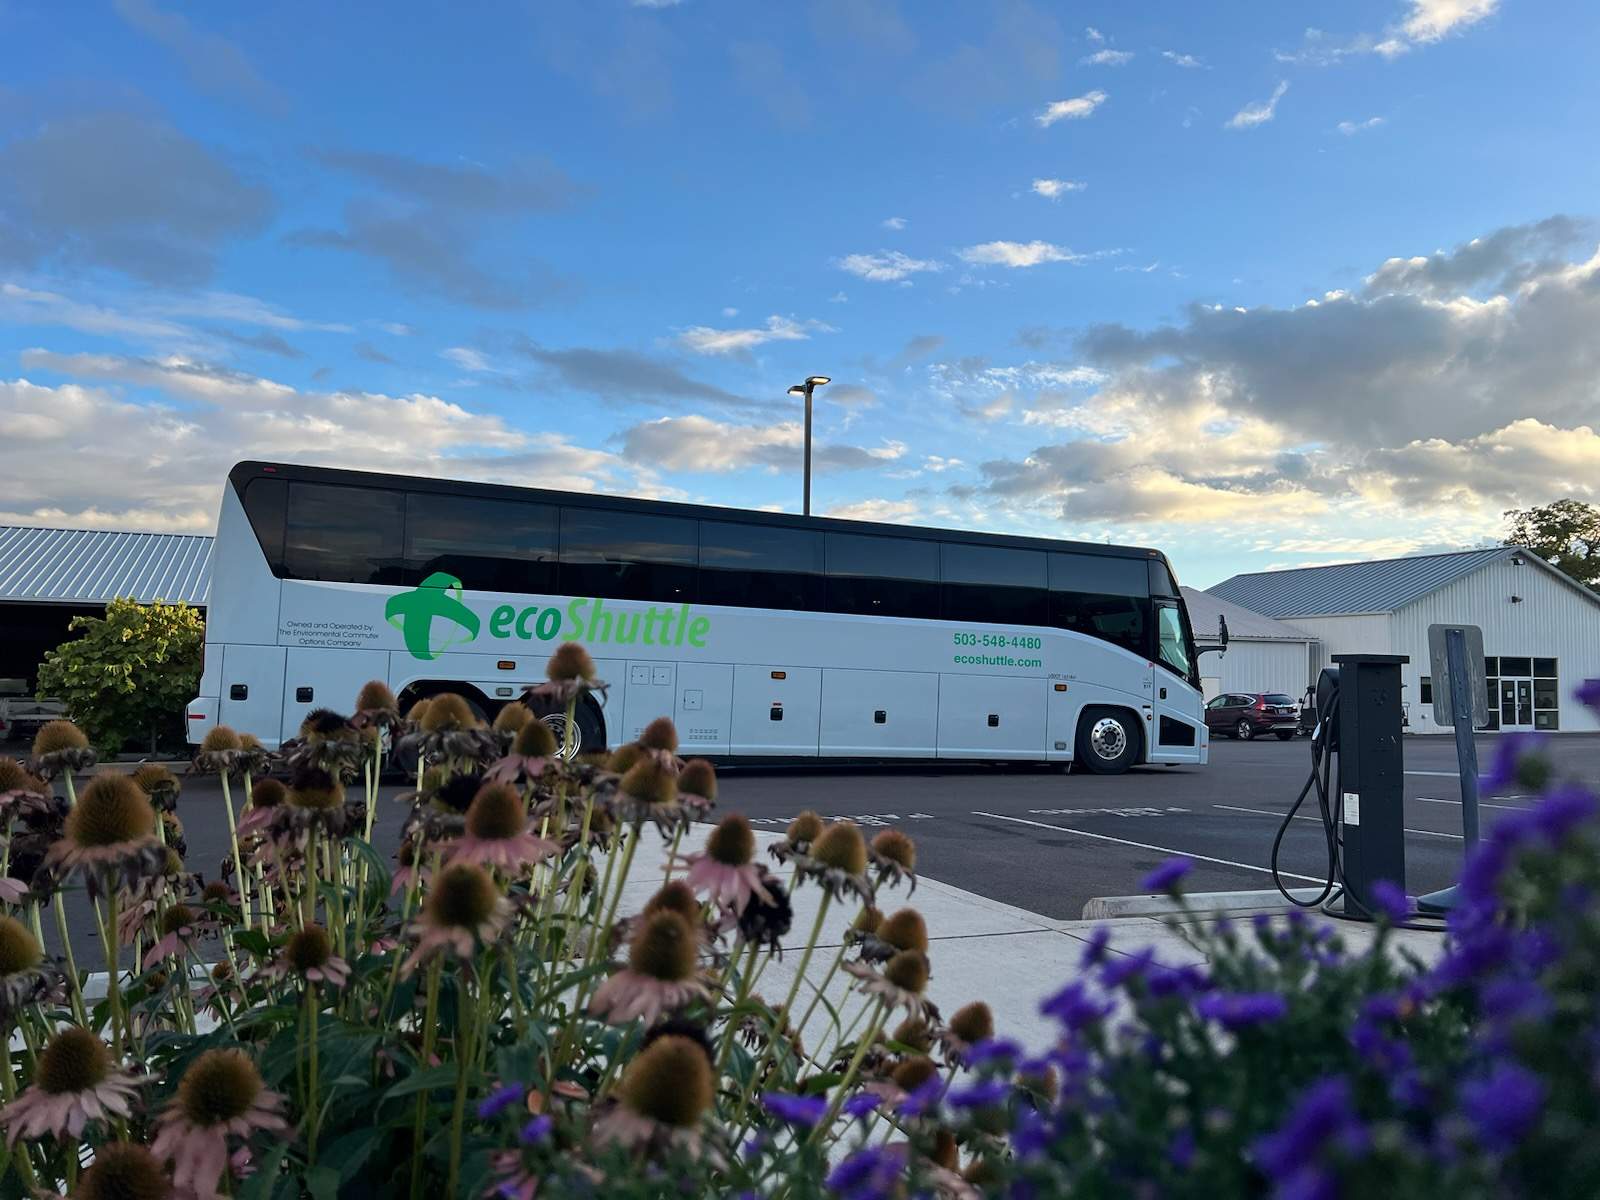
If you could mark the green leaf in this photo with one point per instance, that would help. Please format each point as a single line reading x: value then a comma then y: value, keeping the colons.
x: 349, y: 1153
x: 322, y: 1182
x: 423, y: 1081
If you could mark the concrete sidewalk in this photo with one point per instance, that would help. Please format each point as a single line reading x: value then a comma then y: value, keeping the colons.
x: 979, y: 949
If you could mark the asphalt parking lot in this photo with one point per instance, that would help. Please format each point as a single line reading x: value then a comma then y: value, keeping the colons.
x: 1048, y: 842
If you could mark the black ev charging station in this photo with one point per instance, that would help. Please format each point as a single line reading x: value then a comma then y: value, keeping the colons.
x: 1371, y: 780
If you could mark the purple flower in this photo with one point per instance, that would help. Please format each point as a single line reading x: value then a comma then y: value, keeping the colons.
x: 1099, y: 939
x: 993, y: 1050
x: 1519, y: 761
x: 1073, y: 1007
x: 861, y: 1105
x: 868, y: 1174
x: 922, y: 1101
x: 1030, y: 1135
x: 1310, y: 1182
x: 981, y: 1095
x: 1166, y: 876
x: 1177, y: 981
x: 1118, y: 971
x: 497, y: 1101
x: 1238, y: 1010
x: 797, y: 1110
x: 1180, y: 1150
x: 1322, y: 1110
x: 1563, y: 811
x: 1589, y: 693
x: 1504, y: 1104
x: 1391, y: 902
x: 1387, y: 1054
x: 1515, y: 1000
x: 536, y: 1130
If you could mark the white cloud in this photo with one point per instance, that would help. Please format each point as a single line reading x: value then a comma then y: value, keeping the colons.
x: 1094, y: 35
x: 897, y: 512
x: 1350, y: 128
x: 699, y: 444
x: 1107, y: 58
x: 886, y: 266
x: 838, y: 298
x: 1261, y: 111
x: 1142, y: 270
x: 1054, y: 189
x: 1431, y: 20
x: 1187, y: 61
x: 730, y: 311
x: 702, y: 339
x: 1023, y: 254
x: 25, y: 306
x: 466, y: 358
x: 1423, y: 23
x: 655, y: 3
x: 895, y: 223
x: 1075, y: 109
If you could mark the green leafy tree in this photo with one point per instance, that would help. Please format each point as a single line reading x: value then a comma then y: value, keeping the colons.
x: 126, y: 676
x: 1565, y: 534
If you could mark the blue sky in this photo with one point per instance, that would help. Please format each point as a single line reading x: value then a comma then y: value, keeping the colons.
x: 1260, y: 283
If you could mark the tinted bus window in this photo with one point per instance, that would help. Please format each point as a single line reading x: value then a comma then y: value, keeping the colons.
x: 490, y: 545
x: 1161, y: 581
x: 264, y: 503
x: 757, y: 566
x: 882, y: 576
x: 1102, y: 596
x: 627, y: 556
x: 991, y: 583
x: 344, y: 534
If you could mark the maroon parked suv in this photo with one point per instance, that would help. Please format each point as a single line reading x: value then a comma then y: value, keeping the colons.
x: 1245, y: 716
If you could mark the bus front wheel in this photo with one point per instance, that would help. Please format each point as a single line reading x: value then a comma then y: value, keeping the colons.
x: 1108, y: 741
x: 589, y: 727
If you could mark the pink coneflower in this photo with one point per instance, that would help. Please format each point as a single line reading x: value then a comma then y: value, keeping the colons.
x: 308, y: 956
x: 109, y: 835
x: 894, y: 858
x: 697, y: 787
x: 497, y: 833
x: 969, y: 1025
x: 60, y: 746
x: 25, y: 977
x: 221, y: 752
x: 316, y: 800
x: 569, y: 675
x: 649, y: 792
x: 376, y: 706
x: 905, y: 1077
x: 122, y: 1171
x: 533, y: 749
x: 266, y: 795
x: 220, y: 1095
x: 837, y: 862
x: 329, y: 741
x: 903, y: 930
x: 463, y: 910
x: 410, y: 870
x: 662, y: 974
x: 900, y: 984
x: 180, y: 928
x: 724, y: 871
x: 77, y: 1082
x: 662, y: 1099
x: 659, y: 740
x: 797, y: 838
x: 23, y: 794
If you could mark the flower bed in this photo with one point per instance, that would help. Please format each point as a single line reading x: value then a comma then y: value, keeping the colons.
x: 475, y: 1016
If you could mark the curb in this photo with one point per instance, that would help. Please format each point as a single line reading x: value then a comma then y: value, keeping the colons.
x: 1103, y: 908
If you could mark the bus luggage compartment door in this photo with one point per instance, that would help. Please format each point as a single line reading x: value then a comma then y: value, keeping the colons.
x: 319, y: 678
x: 887, y: 714
x: 776, y: 710
x: 251, y: 698
x: 705, y: 692
x: 991, y: 717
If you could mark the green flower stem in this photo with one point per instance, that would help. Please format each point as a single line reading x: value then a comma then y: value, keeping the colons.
x: 108, y: 936
x: 621, y: 882
x: 312, y: 1117
x: 238, y: 860
x: 60, y: 906
x: 868, y: 1039
x: 805, y: 961
x: 746, y: 977
x: 672, y: 855
x: 465, y: 1012
x: 430, y: 1022
x: 21, y: 1155
x: 838, y: 961
x: 72, y: 791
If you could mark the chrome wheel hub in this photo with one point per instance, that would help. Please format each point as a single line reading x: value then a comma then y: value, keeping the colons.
x: 1108, y: 738
x: 558, y: 726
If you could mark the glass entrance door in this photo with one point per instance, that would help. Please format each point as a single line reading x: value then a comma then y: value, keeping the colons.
x: 1516, y: 703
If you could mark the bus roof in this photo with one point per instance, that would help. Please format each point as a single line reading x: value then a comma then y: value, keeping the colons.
x: 242, y: 472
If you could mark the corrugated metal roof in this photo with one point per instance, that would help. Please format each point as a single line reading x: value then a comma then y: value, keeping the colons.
x: 91, y: 566
x: 1204, y: 609
x: 1358, y: 587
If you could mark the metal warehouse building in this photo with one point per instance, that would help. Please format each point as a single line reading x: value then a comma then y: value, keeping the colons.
x: 1263, y: 655
x: 49, y: 576
x: 1541, y: 630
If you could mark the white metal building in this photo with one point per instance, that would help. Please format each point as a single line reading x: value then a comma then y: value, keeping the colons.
x: 1541, y: 631
x: 1263, y: 655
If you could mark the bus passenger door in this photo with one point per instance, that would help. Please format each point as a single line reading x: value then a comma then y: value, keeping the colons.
x: 251, y: 698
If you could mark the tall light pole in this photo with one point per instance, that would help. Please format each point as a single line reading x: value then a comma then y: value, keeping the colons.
x: 805, y: 389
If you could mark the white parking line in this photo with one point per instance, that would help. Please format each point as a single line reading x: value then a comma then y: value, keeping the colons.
x: 1481, y: 804
x: 1440, y: 774
x: 1105, y: 837
x: 1264, y: 812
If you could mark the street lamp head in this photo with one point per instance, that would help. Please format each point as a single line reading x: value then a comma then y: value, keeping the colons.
x: 797, y: 390
x: 817, y: 380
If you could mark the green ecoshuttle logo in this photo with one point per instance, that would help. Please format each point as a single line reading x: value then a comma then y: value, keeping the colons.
x: 433, y: 617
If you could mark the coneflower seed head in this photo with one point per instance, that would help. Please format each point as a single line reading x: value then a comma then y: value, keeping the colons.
x: 19, y: 949
x: 316, y: 790
x: 151, y: 777
x: 55, y: 736
x: 1043, y: 1083
x: 674, y: 896
x: 669, y: 1082
x: 867, y: 920
x: 804, y: 829
x: 512, y: 717
x: 249, y: 741
x: 323, y: 724
x: 914, y: 1032
x: 842, y: 848
x: 220, y: 737
x: 446, y: 713
x: 111, y: 810
x: 973, y: 1023
x: 496, y: 813
x: 908, y: 970
x: 944, y: 1150
x: 122, y: 1171
x: 217, y: 892
x: 219, y: 1086
x: 74, y: 1060
x: 732, y: 843
x: 418, y: 710
x: 623, y: 759
x: 462, y: 896
x: 375, y: 696
x: 534, y: 739
x: 570, y: 661
x: 646, y: 781
x: 905, y: 930
x: 698, y: 778
x: 911, y: 1073
x: 309, y: 949
x: 664, y: 948
x: 177, y: 916
x: 897, y: 847
x: 660, y: 734
x: 268, y: 793
x: 14, y: 776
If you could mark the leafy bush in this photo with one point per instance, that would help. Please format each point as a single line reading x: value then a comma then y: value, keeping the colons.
x: 477, y: 1018
x: 126, y: 677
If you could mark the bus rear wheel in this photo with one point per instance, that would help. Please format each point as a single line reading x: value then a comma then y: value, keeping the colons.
x: 1108, y: 741
x: 589, y: 727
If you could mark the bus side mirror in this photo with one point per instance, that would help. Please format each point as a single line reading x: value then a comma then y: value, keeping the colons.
x: 1222, y: 631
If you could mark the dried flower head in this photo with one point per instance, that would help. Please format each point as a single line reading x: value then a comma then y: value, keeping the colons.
x: 909, y: 1074
x: 674, y: 896
x: 841, y: 848
x: 660, y: 735
x: 269, y: 793
x: 496, y: 811
x: 511, y: 718
x: 900, y: 984
x: 220, y: 737
x: 323, y: 724
x: 836, y: 860
x: 648, y: 792
x: 19, y: 949
x: 570, y: 661
x: 25, y: 977
x: 15, y: 778
x: 317, y: 791
x: 908, y: 970
x: 805, y: 829
x: 914, y: 1033
x: 665, y: 948
x: 732, y: 842
x: 375, y: 700
x: 419, y: 710
x: 448, y: 712
x: 867, y: 920
x: 55, y: 736
x: 109, y: 832
x: 661, y: 975
x: 973, y: 1023
x: 534, y: 739
x: 462, y: 897
x: 309, y: 949
x: 894, y: 857
x: 905, y: 930
x: 766, y: 919
x: 156, y: 781
x: 123, y: 1171
x: 623, y: 759
x: 726, y: 871
x: 497, y: 833
x: 699, y: 778
x: 669, y: 1082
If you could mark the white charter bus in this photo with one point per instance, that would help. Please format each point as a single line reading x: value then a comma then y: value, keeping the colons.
x: 762, y: 635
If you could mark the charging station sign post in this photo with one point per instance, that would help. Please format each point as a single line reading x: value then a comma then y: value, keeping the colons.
x: 1460, y: 700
